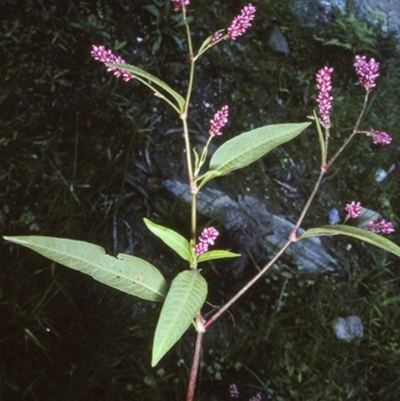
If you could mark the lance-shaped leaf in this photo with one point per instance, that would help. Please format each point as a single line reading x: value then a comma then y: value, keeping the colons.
x: 185, y: 298
x: 246, y: 148
x: 126, y: 273
x: 355, y: 232
x: 205, y: 44
x: 157, y: 81
x: 174, y: 240
x: 321, y: 138
x: 217, y: 254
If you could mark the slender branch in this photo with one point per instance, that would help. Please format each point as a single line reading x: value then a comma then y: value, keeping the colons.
x: 193, y: 191
x: 214, y: 317
x: 157, y: 93
x: 293, y: 234
x: 192, y: 184
x: 324, y: 168
x: 355, y: 130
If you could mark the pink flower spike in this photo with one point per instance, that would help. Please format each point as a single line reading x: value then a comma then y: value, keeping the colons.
x: 367, y: 72
x: 201, y: 248
x: 233, y: 391
x: 353, y: 210
x: 207, y: 237
x: 241, y: 22
x: 216, y: 36
x: 324, y: 98
x: 178, y: 4
x: 220, y: 119
x: 100, y: 53
x: 380, y: 226
x: 380, y: 137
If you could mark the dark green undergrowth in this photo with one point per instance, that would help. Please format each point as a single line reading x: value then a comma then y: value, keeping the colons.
x: 82, y: 155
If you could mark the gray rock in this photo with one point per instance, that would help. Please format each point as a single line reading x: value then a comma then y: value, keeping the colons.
x: 386, y: 13
x: 348, y: 328
x: 255, y: 231
x: 277, y: 41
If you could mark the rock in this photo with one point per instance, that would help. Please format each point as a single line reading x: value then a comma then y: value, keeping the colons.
x: 385, y: 13
x: 348, y: 328
x: 277, y: 41
x: 334, y: 217
x: 256, y: 232
x: 389, y: 8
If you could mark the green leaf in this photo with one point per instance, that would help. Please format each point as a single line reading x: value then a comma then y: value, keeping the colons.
x: 185, y: 298
x: 152, y: 9
x: 321, y: 139
x: 205, y: 44
x: 206, y: 177
x: 126, y: 273
x: 355, y: 232
x: 217, y: 254
x: 174, y: 240
x: 246, y: 148
x: 144, y: 74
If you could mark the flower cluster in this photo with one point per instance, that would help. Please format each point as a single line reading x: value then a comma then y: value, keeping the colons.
x: 104, y: 55
x: 353, y: 210
x: 219, y: 120
x: 207, y: 238
x: 367, y: 71
x: 380, y: 226
x: 241, y: 22
x: 380, y: 137
x: 324, y: 98
x: 233, y: 391
x: 178, y: 4
x: 216, y: 36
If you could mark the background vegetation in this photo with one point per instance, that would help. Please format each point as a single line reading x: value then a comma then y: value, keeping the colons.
x: 82, y: 155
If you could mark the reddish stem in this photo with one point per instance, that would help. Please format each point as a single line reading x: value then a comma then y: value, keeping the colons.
x: 195, y: 367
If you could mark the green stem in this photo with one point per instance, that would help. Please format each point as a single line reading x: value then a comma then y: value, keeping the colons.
x: 192, y: 184
x: 157, y: 93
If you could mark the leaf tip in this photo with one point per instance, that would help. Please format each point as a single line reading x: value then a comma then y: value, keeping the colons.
x: 155, y: 359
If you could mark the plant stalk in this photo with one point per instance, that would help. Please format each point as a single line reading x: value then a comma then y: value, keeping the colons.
x: 214, y: 317
x: 195, y: 366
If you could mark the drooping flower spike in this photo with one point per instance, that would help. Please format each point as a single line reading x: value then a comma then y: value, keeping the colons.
x: 104, y: 55
x: 324, y: 98
x: 380, y: 226
x: 378, y: 137
x: 367, y: 72
x: 220, y: 119
x: 241, y: 22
